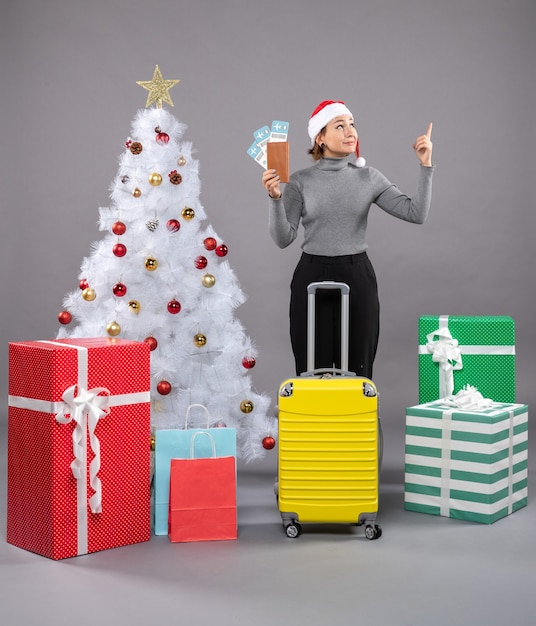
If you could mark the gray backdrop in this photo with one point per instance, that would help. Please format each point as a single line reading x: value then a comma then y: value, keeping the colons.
x: 69, y: 94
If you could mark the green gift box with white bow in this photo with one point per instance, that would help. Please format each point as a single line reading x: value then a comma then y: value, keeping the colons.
x: 470, y: 465
x: 455, y: 351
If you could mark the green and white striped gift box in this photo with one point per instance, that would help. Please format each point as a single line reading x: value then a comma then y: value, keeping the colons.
x: 469, y: 465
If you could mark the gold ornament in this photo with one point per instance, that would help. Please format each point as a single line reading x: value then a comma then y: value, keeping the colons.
x: 246, y: 406
x: 188, y: 213
x: 208, y: 281
x: 158, y: 89
x: 181, y: 161
x: 113, y: 329
x: 135, y: 306
x: 155, y: 179
x: 137, y: 192
x: 89, y: 294
x: 153, y: 442
x: 200, y: 340
x: 151, y: 264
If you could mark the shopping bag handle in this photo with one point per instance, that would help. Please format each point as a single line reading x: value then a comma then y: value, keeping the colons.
x: 188, y: 414
x: 192, y: 443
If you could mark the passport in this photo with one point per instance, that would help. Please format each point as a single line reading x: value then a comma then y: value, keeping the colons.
x: 278, y: 158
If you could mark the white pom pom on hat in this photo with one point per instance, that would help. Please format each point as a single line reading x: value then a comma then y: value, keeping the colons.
x: 324, y: 113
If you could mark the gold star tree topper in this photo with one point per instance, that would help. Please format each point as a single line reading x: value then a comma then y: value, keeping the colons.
x: 158, y: 89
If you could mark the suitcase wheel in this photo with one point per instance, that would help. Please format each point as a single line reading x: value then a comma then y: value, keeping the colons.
x: 373, y: 532
x: 293, y: 530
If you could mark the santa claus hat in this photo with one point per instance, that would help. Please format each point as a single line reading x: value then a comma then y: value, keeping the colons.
x: 324, y: 113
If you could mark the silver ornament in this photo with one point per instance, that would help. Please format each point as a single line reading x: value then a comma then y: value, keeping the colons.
x: 152, y: 224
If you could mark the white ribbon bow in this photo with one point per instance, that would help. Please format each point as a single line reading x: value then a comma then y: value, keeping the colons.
x: 79, y: 404
x: 446, y: 352
x: 468, y: 399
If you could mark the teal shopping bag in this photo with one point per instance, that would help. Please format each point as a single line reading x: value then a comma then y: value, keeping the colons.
x: 175, y: 444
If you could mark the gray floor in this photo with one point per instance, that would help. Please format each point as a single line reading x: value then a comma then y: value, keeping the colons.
x: 424, y: 570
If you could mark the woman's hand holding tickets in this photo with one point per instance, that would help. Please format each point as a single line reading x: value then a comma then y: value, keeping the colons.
x: 270, y: 181
x: 423, y: 147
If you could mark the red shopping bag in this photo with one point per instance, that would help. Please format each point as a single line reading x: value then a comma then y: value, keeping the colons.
x: 202, y: 497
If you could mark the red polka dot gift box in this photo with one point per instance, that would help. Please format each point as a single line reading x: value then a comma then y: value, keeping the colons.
x: 78, y: 445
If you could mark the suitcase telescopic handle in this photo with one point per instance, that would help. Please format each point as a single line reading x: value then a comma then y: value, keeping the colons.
x: 311, y: 320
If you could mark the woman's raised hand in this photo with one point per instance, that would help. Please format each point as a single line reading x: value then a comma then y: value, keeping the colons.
x: 423, y: 147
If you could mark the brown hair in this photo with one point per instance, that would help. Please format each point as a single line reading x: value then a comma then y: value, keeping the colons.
x: 317, y: 152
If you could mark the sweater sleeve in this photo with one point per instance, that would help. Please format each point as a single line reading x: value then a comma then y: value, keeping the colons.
x: 284, y: 215
x: 414, y: 209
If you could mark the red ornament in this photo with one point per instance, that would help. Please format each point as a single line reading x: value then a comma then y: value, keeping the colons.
x: 119, y: 290
x: 173, y: 225
x: 201, y: 262
x: 174, y: 307
x: 153, y: 343
x: 118, y: 228
x: 162, y: 138
x: 268, y: 443
x: 248, y: 362
x: 163, y: 387
x: 64, y: 317
x: 222, y: 250
x: 210, y: 243
x: 119, y: 249
x: 83, y: 284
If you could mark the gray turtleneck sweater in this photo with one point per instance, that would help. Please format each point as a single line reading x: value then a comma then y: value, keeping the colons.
x: 332, y: 199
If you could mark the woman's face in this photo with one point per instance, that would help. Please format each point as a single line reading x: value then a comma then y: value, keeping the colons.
x: 339, y: 138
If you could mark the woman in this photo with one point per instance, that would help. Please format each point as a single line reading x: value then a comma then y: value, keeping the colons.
x: 332, y: 200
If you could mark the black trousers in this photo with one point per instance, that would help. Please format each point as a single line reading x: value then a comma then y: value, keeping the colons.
x: 357, y: 272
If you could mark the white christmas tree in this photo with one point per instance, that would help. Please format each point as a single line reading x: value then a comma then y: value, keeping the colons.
x: 159, y: 276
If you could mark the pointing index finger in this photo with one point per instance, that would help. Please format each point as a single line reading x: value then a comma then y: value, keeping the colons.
x: 429, y: 130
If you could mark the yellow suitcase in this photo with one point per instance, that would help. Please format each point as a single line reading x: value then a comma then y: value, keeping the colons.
x: 329, y: 442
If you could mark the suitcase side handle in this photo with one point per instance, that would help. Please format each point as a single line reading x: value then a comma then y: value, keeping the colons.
x: 345, y: 320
